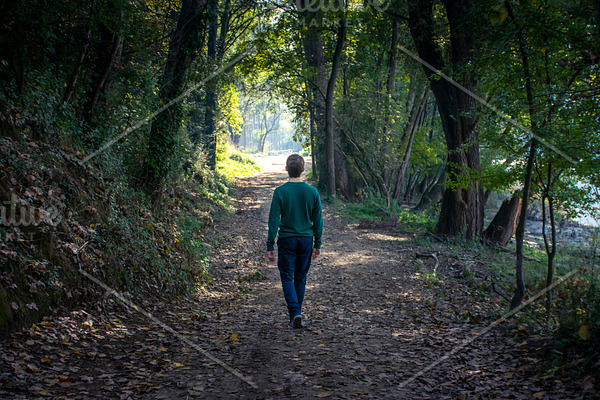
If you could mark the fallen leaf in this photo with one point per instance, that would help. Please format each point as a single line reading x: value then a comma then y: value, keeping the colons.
x: 584, y: 332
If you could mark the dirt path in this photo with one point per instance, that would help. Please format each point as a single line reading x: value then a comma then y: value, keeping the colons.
x: 374, y: 320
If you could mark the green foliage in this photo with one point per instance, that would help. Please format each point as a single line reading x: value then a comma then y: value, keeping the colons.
x: 373, y: 208
x: 232, y: 164
x: 416, y: 221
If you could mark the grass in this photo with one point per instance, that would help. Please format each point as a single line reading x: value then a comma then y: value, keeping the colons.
x: 372, y: 208
x: 232, y: 164
x: 375, y: 208
x: 417, y: 221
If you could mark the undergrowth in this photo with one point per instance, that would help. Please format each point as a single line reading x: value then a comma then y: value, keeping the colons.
x: 103, y: 224
x: 371, y: 208
x: 375, y: 208
x: 232, y: 164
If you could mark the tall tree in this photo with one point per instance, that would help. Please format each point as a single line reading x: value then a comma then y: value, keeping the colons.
x: 329, y: 128
x: 211, y: 100
x: 316, y: 71
x: 185, y: 44
x: 108, y: 48
x: 462, y: 202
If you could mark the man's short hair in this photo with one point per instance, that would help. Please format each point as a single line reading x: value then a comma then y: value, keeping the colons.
x: 295, y: 165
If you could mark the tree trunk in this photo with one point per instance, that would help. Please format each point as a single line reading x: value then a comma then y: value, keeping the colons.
x: 520, y: 233
x: 431, y: 196
x: 183, y: 49
x: 462, y: 206
x: 362, y: 159
x: 390, y: 104
x: 81, y: 57
x: 315, y: 59
x: 313, y: 135
x: 550, y: 247
x: 217, y: 36
x: 410, y: 186
x: 107, y: 58
x: 211, y: 101
x: 413, y: 126
x: 263, y: 139
x: 329, y: 129
x: 344, y: 181
x: 504, y: 224
x: 392, y: 61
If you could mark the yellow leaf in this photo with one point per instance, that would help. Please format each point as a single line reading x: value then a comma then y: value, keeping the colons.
x: 179, y: 364
x: 163, y: 349
x: 584, y: 332
x: 234, y: 337
x: 324, y: 394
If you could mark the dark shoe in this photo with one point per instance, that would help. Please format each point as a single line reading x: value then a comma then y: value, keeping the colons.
x: 297, y: 322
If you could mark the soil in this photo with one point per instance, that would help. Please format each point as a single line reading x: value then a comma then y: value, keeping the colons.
x: 377, y: 326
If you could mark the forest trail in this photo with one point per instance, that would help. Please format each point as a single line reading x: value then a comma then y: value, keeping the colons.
x: 373, y: 322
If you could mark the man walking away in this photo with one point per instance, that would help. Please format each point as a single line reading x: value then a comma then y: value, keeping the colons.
x: 296, y: 218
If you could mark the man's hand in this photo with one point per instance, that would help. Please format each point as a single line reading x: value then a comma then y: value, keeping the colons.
x: 271, y: 255
x: 316, y: 253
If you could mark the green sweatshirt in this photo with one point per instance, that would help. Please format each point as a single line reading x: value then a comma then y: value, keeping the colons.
x: 295, y: 211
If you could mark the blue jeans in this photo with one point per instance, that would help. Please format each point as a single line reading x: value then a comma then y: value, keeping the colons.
x: 293, y: 261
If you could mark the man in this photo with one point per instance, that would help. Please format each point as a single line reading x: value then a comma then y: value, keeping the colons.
x: 296, y: 218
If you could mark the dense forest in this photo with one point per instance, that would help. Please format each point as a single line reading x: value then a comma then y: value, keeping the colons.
x: 125, y: 124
